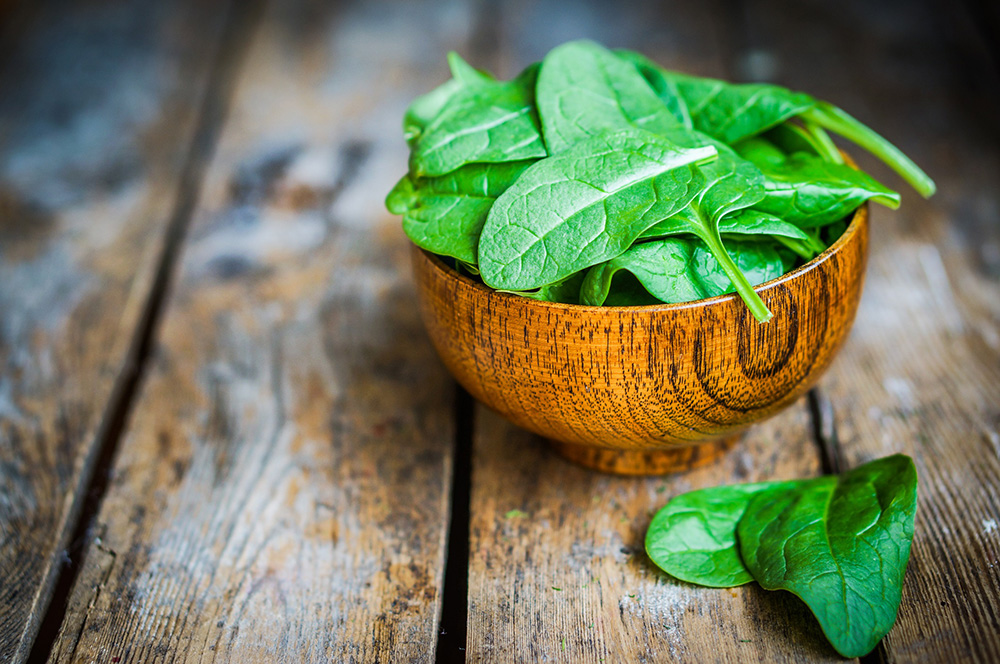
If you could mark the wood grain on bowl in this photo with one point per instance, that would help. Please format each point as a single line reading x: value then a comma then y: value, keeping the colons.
x: 645, y: 382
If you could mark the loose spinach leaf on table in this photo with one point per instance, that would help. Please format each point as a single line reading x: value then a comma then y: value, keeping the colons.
x: 841, y: 544
x: 678, y: 269
x: 584, y: 206
x: 585, y: 90
x: 445, y: 215
x: 480, y: 122
x: 693, y: 538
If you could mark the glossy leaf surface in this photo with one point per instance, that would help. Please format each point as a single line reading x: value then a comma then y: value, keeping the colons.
x: 445, y: 215
x: 693, y: 537
x: 585, y: 90
x: 677, y: 270
x: 839, y: 543
x: 485, y: 122
x: 584, y: 206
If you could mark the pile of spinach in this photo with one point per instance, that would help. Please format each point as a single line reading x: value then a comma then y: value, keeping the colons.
x: 840, y: 543
x: 597, y: 177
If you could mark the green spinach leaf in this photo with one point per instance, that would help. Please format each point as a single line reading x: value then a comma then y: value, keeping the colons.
x: 585, y: 90
x: 564, y: 291
x: 678, y: 269
x: 693, y: 537
x: 665, y: 87
x: 725, y: 111
x: 425, y: 108
x: 840, y: 122
x: 731, y: 184
x: 445, y: 215
x: 810, y: 192
x: 626, y: 291
x: 732, y: 112
x: 841, y: 544
x: 481, y: 122
x: 584, y: 206
x: 747, y: 221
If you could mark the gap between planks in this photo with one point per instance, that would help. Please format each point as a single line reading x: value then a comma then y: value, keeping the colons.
x: 241, y: 19
x: 453, y: 623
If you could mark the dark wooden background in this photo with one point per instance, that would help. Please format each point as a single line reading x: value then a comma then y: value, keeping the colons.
x: 224, y: 435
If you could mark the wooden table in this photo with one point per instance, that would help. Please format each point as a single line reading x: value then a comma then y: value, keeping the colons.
x: 224, y: 435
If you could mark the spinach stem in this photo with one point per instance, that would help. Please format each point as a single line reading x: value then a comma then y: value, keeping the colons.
x: 740, y: 281
x: 814, y: 242
x: 822, y: 143
x: 798, y: 246
x: 840, y: 122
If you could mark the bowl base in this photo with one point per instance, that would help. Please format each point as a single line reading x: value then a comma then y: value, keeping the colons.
x: 644, y: 462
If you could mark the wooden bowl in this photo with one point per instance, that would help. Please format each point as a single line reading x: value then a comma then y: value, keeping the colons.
x: 644, y: 390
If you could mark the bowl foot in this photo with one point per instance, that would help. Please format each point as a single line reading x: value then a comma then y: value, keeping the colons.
x: 644, y: 462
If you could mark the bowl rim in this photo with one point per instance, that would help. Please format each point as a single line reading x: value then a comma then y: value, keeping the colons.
x: 858, y: 219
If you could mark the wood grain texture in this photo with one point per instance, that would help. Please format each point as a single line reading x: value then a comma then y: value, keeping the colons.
x: 97, y: 114
x: 644, y: 379
x: 282, y: 492
x: 557, y: 570
x: 921, y: 372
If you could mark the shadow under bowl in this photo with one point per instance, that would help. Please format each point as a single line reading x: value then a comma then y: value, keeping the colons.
x: 652, y: 389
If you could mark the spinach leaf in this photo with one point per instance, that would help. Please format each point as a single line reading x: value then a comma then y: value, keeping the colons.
x: 811, y: 192
x: 425, y: 108
x: 626, y: 291
x: 760, y: 150
x: 487, y: 121
x: 564, y: 291
x: 747, y: 221
x: 585, y: 90
x: 731, y: 183
x: 789, y: 138
x: 445, y: 215
x: 840, y: 122
x: 665, y: 87
x: 758, y: 261
x: 725, y: 111
x: 841, y: 544
x: 693, y: 537
x: 661, y: 266
x: 731, y: 112
x: 584, y: 206
x: 465, y: 73
x: 681, y: 269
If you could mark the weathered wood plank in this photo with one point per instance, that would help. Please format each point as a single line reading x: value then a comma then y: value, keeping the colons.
x: 282, y: 492
x: 921, y: 373
x: 558, y: 571
x: 97, y: 113
x: 557, y: 568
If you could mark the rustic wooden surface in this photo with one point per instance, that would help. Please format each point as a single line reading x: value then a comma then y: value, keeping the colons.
x: 98, y: 110
x: 281, y: 493
x: 557, y: 569
x: 288, y: 479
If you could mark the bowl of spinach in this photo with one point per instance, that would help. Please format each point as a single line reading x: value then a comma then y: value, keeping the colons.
x: 635, y: 263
